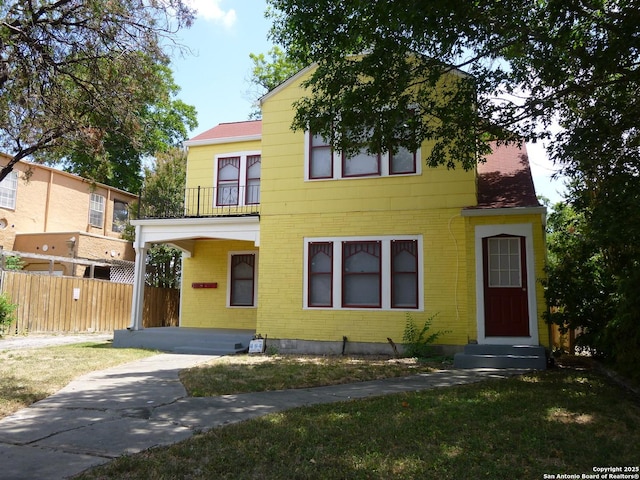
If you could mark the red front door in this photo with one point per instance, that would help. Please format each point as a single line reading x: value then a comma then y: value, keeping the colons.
x: 506, y: 309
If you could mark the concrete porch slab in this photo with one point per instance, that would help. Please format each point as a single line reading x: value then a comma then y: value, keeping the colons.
x: 197, y: 341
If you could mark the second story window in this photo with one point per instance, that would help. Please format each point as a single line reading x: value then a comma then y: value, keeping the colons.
x: 120, y: 215
x: 8, y: 191
x: 96, y: 210
x: 237, y: 179
x: 323, y: 163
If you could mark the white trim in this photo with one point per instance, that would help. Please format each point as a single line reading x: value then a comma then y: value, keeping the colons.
x: 490, y: 212
x: 385, y: 272
x: 217, y: 141
x: 516, y: 229
x: 255, y: 278
x: 287, y: 82
x: 336, y: 160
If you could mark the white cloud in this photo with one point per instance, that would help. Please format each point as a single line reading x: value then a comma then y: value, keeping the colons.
x: 211, y: 10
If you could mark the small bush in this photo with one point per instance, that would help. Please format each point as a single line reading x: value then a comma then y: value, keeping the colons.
x: 6, y: 313
x: 417, y: 342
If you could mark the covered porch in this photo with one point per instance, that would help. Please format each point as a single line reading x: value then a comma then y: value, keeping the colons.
x: 184, y: 233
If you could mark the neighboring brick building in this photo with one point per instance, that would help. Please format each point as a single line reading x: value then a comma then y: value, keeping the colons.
x: 46, y: 214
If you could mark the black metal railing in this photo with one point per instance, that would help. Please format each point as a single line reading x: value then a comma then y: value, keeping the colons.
x: 222, y: 201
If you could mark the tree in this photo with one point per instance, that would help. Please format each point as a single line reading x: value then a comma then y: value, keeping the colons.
x: 519, y: 67
x: 268, y: 73
x: 74, y: 75
x: 167, y: 122
x: 164, y: 188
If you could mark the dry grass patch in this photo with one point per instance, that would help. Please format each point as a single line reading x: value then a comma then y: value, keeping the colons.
x: 258, y: 373
x: 29, y: 375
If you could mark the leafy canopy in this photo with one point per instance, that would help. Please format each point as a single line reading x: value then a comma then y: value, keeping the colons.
x: 75, y: 76
x: 528, y: 64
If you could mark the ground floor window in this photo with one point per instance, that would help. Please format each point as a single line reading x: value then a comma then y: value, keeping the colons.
x: 242, y: 280
x: 358, y: 272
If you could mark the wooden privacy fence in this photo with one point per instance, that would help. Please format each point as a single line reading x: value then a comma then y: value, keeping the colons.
x: 51, y: 304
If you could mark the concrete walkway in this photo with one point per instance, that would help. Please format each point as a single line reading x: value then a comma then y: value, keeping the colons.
x: 139, y: 405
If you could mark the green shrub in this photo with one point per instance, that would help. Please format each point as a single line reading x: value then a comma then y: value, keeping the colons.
x: 6, y: 313
x: 418, y: 342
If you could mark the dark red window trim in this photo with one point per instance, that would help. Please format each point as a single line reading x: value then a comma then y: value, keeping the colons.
x: 406, y: 172
x: 251, y: 161
x: 351, y: 248
x: 372, y: 174
x: 316, y: 248
x: 313, y: 147
x: 223, y: 162
x: 397, y: 247
x: 249, y: 259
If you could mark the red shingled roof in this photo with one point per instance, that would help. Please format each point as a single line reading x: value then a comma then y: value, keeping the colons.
x: 231, y: 130
x: 505, y: 180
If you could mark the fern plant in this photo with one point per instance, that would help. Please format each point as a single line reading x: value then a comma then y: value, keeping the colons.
x: 418, y: 342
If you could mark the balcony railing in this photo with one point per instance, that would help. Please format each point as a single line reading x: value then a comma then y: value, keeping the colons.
x: 223, y: 201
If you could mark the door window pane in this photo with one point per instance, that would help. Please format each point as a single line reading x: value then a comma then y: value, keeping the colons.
x: 504, y: 262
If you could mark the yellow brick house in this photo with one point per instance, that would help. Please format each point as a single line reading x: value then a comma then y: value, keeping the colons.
x: 322, y: 253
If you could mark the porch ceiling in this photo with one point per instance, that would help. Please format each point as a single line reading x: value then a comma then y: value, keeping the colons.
x: 183, y: 232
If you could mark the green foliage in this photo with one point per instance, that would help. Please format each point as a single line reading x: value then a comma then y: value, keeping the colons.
x: 418, y: 341
x: 7, y: 309
x: 87, y: 80
x: 268, y: 73
x: 13, y: 262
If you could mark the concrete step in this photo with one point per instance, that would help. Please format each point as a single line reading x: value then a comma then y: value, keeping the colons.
x: 501, y: 356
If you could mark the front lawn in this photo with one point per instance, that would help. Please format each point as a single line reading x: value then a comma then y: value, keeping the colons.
x: 564, y: 421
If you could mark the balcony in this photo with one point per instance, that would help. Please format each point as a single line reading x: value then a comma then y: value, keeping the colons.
x: 199, y: 202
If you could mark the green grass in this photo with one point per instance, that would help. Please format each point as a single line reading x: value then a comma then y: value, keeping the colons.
x: 29, y: 375
x: 251, y: 373
x: 565, y: 420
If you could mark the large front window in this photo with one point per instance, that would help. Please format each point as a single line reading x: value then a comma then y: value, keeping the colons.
x: 348, y: 273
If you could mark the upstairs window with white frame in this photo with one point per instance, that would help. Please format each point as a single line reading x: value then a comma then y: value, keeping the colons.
x: 360, y: 273
x: 96, y: 210
x: 237, y: 179
x: 323, y: 163
x: 9, y: 191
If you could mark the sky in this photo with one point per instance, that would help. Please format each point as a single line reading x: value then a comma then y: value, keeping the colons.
x: 214, y: 74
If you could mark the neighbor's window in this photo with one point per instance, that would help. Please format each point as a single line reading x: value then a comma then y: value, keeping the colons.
x: 96, y: 210
x: 120, y: 215
x: 243, y: 276
x: 8, y: 190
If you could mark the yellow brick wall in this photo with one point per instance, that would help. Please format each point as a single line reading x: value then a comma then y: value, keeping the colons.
x: 201, y: 160
x: 207, y: 307
x: 281, y: 313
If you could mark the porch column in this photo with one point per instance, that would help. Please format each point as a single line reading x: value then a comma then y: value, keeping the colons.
x: 139, y: 274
